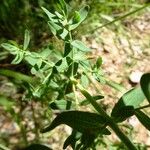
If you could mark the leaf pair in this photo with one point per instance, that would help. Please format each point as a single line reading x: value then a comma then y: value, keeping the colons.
x: 128, y: 104
x: 16, y: 50
x: 87, y: 125
x: 78, y: 120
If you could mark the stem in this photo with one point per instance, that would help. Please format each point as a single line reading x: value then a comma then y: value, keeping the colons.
x: 76, y: 99
x: 110, y: 122
x: 2, y: 147
x: 35, y: 123
x: 16, y: 75
x: 72, y: 55
x: 22, y: 126
x: 120, y: 18
x: 142, y: 107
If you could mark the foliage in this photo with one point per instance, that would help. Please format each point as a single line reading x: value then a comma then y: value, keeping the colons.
x: 57, y: 76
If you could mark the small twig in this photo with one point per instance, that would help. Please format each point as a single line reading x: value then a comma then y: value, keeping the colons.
x: 35, y: 122
x: 119, y: 18
x: 143, y: 107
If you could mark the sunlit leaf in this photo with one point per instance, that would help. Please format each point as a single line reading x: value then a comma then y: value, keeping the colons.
x: 81, y: 46
x: 11, y: 48
x: 49, y: 14
x: 84, y: 81
x: 64, y: 34
x: 61, y: 105
x: 54, y: 27
x: 132, y: 98
x: 19, y: 57
x: 145, y: 85
x: 26, y: 39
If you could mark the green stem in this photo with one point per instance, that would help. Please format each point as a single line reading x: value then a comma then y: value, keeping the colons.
x: 143, y: 107
x: 16, y: 75
x: 35, y: 123
x: 120, y: 18
x: 110, y: 122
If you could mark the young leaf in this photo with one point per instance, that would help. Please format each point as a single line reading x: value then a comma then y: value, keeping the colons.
x: 49, y: 14
x: 78, y: 18
x: 98, y: 62
x: 81, y: 46
x: 19, y: 57
x: 54, y: 27
x: 26, y: 39
x: 78, y: 120
x: 143, y: 118
x: 64, y: 34
x: 11, y: 48
x: 63, y: 7
x: 132, y: 98
x: 145, y: 85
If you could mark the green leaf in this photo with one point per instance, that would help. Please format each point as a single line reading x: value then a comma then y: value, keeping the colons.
x: 58, y: 15
x: 37, y: 147
x: 132, y: 98
x: 125, y: 112
x: 19, y: 57
x: 86, y: 102
x: 145, y: 85
x: 26, y: 39
x: 72, y: 69
x: 6, y: 102
x: 2, y: 147
x: 64, y: 34
x: 49, y: 14
x: 69, y: 60
x: 63, y: 7
x: 78, y: 120
x: 61, y: 105
x: 11, y: 48
x: 72, y: 139
x: 78, y: 18
x: 67, y: 48
x: 84, y: 81
x: 143, y: 118
x: 81, y: 46
x: 98, y: 62
x: 54, y: 27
